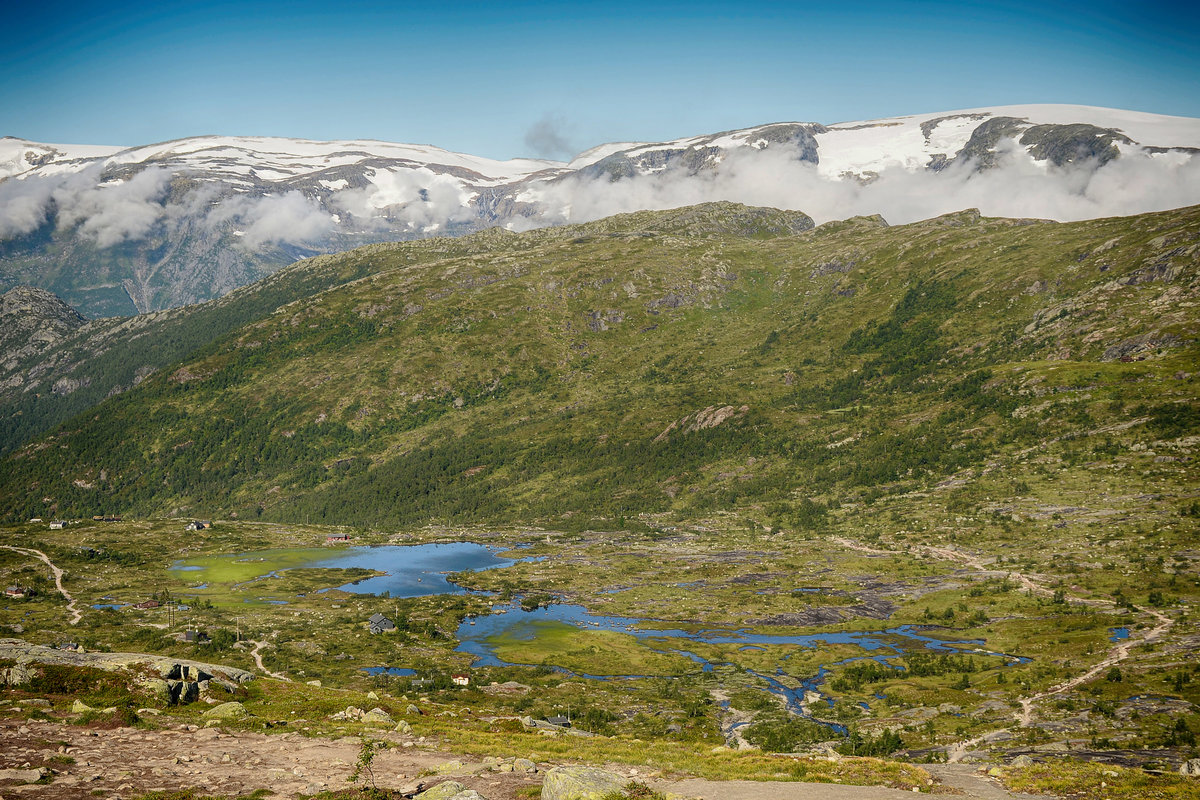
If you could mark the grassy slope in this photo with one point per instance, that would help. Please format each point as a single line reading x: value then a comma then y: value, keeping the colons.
x: 517, y: 377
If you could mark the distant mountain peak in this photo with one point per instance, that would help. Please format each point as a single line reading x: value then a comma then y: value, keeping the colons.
x: 119, y: 230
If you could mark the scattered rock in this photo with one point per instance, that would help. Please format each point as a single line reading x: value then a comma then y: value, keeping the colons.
x: 351, y: 714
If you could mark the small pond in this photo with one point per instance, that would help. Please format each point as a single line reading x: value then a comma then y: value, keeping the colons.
x: 398, y: 672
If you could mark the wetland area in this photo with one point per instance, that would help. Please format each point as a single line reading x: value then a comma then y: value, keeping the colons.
x: 566, y: 636
x: 694, y: 635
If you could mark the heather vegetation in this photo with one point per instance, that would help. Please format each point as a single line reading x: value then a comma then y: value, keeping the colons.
x: 977, y: 431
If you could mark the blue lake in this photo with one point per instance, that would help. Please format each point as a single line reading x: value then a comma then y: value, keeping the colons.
x: 414, y: 570
x: 410, y: 570
x: 1117, y: 634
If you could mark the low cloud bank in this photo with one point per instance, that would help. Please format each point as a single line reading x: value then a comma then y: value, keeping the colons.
x: 158, y: 202
x: 1020, y: 187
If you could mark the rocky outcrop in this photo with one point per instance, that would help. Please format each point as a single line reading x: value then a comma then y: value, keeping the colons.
x: 31, y: 322
x: 709, y: 417
x: 580, y: 783
x: 170, y: 680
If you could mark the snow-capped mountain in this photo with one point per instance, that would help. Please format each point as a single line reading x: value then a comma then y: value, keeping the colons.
x: 117, y: 230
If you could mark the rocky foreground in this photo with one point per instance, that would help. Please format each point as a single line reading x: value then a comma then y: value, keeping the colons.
x: 57, y: 761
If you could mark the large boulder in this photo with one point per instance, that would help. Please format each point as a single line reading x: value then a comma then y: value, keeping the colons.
x: 22, y: 775
x: 580, y: 783
x: 17, y: 675
x: 231, y: 710
x: 443, y: 791
x: 158, y: 688
x: 377, y: 716
x: 1191, y: 767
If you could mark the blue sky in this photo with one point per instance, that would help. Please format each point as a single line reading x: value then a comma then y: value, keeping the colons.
x: 523, y: 79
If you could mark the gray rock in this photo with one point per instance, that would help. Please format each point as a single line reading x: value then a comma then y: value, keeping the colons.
x: 1022, y: 761
x: 18, y: 675
x: 231, y: 710
x: 21, y: 775
x: 25, y: 653
x: 158, y: 688
x: 377, y: 716
x: 524, y: 765
x: 443, y: 791
x: 403, y: 727
x: 36, y: 702
x: 1191, y: 768
x: 580, y: 783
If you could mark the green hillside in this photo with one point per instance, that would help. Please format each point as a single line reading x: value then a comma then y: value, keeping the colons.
x: 678, y: 362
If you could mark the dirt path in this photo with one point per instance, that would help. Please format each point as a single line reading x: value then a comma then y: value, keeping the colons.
x: 257, y: 655
x: 1024, y: 717
x: 969, y: 783
x: 76, y: 614
x: 758, y: 790
x: 1118, y: 654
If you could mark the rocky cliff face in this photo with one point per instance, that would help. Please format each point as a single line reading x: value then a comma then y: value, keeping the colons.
x: 32, y: 321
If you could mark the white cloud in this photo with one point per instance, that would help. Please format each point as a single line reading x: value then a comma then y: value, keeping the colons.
x: 289, y: 218
x: 1021, y: 187
x: 24, y: 204
x: 115, y: 212
x: 417, y: 198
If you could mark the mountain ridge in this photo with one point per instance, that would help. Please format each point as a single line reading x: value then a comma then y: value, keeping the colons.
x: 121, y: 230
